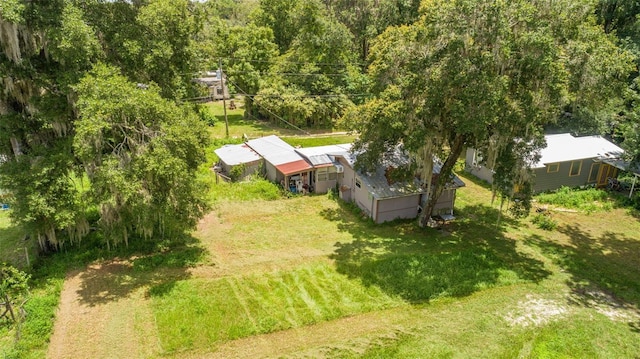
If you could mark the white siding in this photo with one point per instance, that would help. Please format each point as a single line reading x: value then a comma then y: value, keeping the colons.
x: 475, y: 168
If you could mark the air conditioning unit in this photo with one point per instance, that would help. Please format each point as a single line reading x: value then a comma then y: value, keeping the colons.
x: 339, y: 169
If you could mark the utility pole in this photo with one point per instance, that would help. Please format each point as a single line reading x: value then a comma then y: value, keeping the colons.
x: 224, y: 102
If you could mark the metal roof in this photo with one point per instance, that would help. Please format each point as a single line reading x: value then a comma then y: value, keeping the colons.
x: 379, y: 187
x: 274, y: 150
x: 237, y: 154
x: 564, y: 147
x: 325, y: 150
x: 320, y: 156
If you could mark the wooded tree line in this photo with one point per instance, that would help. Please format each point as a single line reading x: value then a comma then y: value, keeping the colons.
x: 95, y: 132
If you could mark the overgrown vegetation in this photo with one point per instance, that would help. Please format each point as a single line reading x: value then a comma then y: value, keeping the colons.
x: 587, y: 200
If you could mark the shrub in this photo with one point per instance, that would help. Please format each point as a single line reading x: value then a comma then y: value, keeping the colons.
x: 544, y: 221
x: 237, y: 171
x: 205, y: 115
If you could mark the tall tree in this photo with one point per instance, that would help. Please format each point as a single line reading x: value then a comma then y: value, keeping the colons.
x: 246, y: 52
x: 622, y: 18
x: 485, y: 74
x: 43, y: 55
x: 140, y: 153
x: 311, y: 80
x: 280, y: 16
x: 167, y: 46
x: 47, y: 47
x: 368, y: 18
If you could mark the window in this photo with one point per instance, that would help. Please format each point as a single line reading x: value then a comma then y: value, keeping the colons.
x: 477, y: 158
x: 332, y: 173
x: 322, y: 174
x: 553, y: 167
x: 593, y: 174
x: 576, y: 167
x: 358, y: 184
x: 219, y: 90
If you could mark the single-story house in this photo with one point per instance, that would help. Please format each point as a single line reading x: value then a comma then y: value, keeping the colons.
x: 215, y: 81
x: 319, y: 169
x: 565, y: 161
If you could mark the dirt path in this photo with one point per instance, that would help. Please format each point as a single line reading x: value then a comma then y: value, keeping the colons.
x: 94, y: 321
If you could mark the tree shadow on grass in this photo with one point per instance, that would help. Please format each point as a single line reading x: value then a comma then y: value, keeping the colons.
x: 115, y: 279
x: 420, y: 265
x: 602, y: 268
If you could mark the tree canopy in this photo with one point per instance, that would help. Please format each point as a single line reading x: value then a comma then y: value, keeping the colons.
x: 483, y: 74
x: 57, y: 95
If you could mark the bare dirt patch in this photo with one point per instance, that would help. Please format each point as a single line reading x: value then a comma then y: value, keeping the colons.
x: 536, y: 312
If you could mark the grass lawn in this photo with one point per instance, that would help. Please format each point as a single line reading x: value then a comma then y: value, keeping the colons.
x: 306, y: 276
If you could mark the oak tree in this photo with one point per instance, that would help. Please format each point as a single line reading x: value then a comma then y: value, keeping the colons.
x: 484, y: 74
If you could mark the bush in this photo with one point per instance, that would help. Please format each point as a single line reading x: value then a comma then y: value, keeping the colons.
x: 206, y: 116
x: 544, y: 221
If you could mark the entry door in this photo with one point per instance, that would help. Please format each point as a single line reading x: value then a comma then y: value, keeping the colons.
x: 606, y: 171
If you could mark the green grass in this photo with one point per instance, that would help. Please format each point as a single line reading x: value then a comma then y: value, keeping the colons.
x: 202, y: 313
x: 582, y: 336
x: 319, y: 140
x: 12, y: 245
x: 587, y: 200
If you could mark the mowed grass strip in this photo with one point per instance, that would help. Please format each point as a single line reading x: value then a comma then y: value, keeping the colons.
x: 201, y: 313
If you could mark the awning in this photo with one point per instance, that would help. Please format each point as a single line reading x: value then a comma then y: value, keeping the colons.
x: 294, y: 167
x: 625, y: 166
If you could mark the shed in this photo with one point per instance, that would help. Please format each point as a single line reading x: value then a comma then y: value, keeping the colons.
x: 232, y: 156
x: 213, y: 80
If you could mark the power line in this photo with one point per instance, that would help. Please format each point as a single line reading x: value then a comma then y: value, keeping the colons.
x: 266, y: 109
x: 293, y: 62
x: 233, y: 72
x: 306, y: 96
